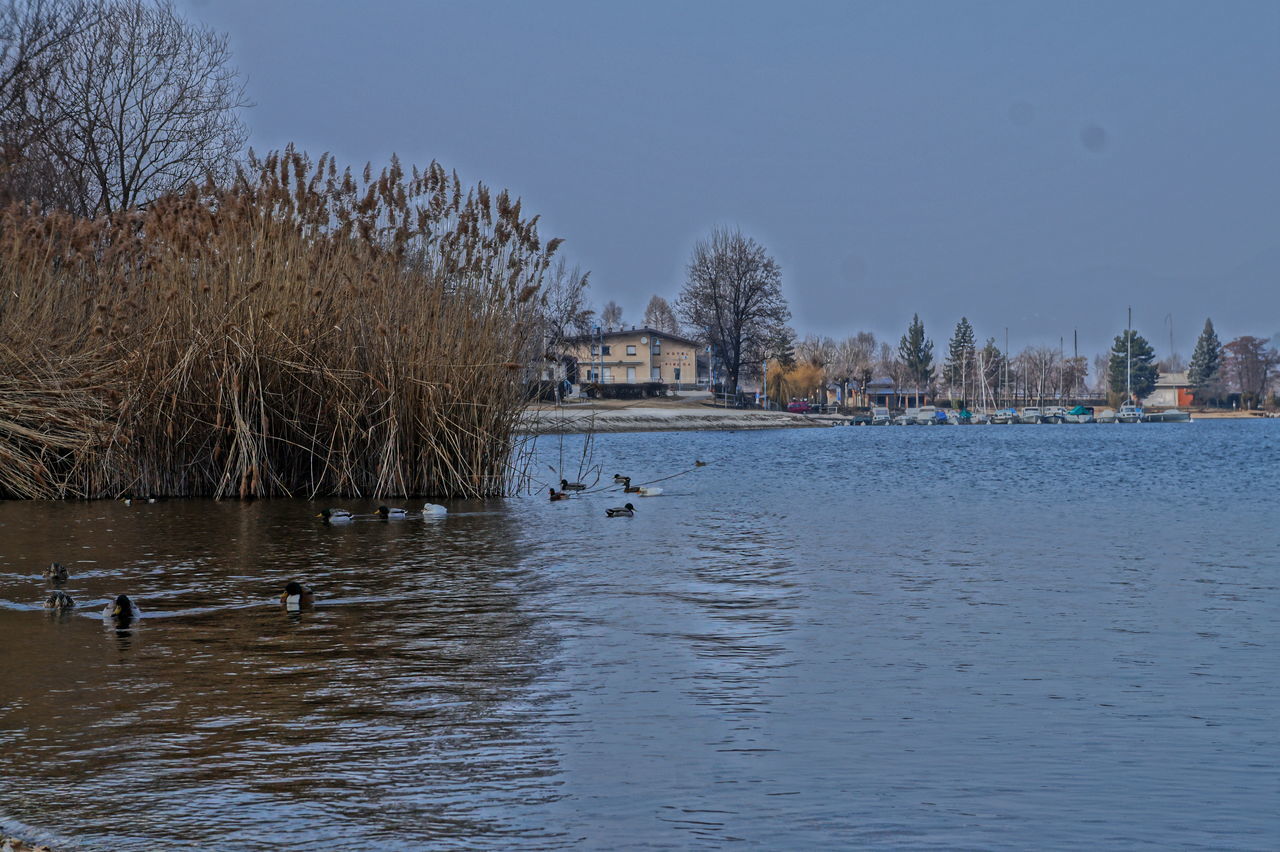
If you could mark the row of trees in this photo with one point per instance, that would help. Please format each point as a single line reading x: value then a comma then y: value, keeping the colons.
x: 1245, y: 366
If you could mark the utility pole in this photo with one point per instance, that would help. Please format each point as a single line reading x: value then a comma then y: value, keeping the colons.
x: 1005, y: 383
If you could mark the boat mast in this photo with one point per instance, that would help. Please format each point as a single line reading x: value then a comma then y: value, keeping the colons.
x: 1128, y: 355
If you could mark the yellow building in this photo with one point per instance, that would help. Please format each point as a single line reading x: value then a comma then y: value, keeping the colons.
x: 638, y: 355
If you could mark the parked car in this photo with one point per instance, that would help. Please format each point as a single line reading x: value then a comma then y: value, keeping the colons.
x: 798, y: 406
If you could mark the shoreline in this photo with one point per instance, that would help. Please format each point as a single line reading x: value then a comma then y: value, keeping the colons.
x: 659, y: 415
x: 656, y: 418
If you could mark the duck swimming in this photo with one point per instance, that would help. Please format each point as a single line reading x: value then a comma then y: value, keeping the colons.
x: 620, y: 512
x: 296, y: 595
x: 628, y: 488
x: 388, y: 514
x: 699, y: 463
x: 566, y: 485
x: 59, y: 600
x: 335, y: 516
x: 557, y: 495
x: 121, y: 610
x: 56, y: 573
x: 430, y: 509
x: 617, y: 477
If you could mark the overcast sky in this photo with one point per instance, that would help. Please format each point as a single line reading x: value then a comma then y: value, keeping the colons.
x: 1032, y: 165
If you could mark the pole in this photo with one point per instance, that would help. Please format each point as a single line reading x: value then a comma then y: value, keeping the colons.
x: 766, y: 384
x: 1128, y: 355
x: 1005, y: 383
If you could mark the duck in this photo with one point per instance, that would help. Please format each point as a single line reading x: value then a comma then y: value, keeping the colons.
x: 557, y: 495
x: 122, y: 610
x: 56, y: 573
x: 699, y: 463
x: 335, y: 516
x: 59, y: 600
x: 620, y: 512
x: 617, y: 477
x: 296, y: 595
x: 628, y: 488
x: 650, y: 492
x: 389, y: 514
x: 566, y: 485
x: 434, y: 510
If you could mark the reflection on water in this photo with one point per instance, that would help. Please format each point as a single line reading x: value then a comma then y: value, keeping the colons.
x: 951, y: 637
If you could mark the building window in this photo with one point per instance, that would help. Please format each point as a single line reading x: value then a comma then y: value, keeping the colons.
x: 595, y: 349
x: 631, y: 375
x: 631, y: 349
x: 608, y: 374
x: 657, y: 346
x: 655, y: 374
x: 677, y: 369
x: 606, y: 348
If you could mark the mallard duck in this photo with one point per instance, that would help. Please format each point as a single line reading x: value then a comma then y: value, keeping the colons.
x: 566, y: 485
x: 391, y: 514
x: 296, y: 595
x: 56, y: 573
x: 434, y: 509
x: 646, y: 491
x: 628, y: 488
x: 699, y: 463
x: 335, y: 516
x: 620, y: 512
x: 121, y: 610
x: 58, y: 600
x: 557, y: 495
x: 617, y: 477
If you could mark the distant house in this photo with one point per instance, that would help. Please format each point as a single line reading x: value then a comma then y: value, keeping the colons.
x: 638, y: 355
x: 1172, y: 391
x: 885, y: 393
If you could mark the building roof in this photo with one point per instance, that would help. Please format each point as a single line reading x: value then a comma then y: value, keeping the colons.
x: 1172, y: 380
x: 611, y: 333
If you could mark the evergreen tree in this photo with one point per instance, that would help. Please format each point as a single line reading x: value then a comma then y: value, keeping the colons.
x: 959, y: 369
x: 916, y: 352
x: 1140, y: 358
x: 1204, y: 372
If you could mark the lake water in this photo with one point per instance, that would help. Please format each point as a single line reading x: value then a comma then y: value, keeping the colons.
x: 985, y: 638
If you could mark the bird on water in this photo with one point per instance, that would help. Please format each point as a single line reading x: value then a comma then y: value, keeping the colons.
x: 620, y: 511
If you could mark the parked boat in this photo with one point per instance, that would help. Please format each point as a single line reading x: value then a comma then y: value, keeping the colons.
x: 925, y: 415
x: 881, y: 417
x: 1079, y: 414
x: 1030, y: 414
x: 1129, y: 413
x: 1002, y: 416
x: 1106, y: 415
x: 1053, y: 414
x: 1169, y: 415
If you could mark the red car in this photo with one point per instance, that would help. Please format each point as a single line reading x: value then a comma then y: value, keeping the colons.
x: 798, y: 406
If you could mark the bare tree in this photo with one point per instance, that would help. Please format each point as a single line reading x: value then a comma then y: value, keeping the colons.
x: 661, y: 316
x: 733, y: 296
x: 34, y: 37
x: 564, y: 304
x: 140, y: 104
x: 611, y: 315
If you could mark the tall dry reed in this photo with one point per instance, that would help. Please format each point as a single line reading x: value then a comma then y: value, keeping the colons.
x: 300, y: 332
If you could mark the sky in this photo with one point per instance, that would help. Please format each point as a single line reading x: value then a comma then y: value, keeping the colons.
x: 1034, y: 166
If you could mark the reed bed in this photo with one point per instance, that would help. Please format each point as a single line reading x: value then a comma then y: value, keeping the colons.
x: 301, y: 332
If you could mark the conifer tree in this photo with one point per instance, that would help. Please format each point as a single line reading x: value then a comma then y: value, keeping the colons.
x: 1204, y: 372
x: 916, y: 352
x: 959, y: 369
x: 1140, y: 359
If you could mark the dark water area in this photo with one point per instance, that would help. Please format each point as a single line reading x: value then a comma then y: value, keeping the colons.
x: 983, y: 638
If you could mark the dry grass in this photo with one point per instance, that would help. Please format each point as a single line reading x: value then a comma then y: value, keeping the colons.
x: 301, y: 332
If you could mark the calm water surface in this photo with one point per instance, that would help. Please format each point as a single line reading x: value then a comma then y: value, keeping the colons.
x: 989, y: 638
